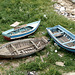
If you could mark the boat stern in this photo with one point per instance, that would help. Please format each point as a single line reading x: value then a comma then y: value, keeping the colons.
x: 6, y: 34
x: 7, y: 38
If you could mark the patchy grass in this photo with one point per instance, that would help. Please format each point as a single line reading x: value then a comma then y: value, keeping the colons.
x: 29, y: 11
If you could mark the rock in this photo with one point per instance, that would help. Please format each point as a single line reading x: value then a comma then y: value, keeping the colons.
x: 41, y: 58
x: 59, y: 1
x: 47, y: 53
x: 62, y: 3
x: 55, y: 44
x: 60, y: 64
x: 73, y: 16
x: 57, y: 6
x: 73, y: 1
x: 61, y: 55
x: 43, y: 32
x: 65, y: 8
x: 68, y: 10
x: 73, y: 11
x: 70, y: 73
x: 45, y: 16
x: 32, y: 73
x: 56, y: 51
x: 65, y: 14
x: 62, y: 9
x: 71, y: 28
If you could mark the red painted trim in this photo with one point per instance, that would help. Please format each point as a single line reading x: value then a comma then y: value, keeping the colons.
x: 7, y: 38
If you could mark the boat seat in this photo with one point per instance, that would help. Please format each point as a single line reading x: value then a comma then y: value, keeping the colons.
x: 34, y: 44
x: 23, y: 47
x: 69, y: 42
x: 58, y: 34
x: 15, y: 49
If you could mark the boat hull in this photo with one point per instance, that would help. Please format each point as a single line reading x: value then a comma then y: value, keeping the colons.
x: 22, y: 48
x: 35, y: 25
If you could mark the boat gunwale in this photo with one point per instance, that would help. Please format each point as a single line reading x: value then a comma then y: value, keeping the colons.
x: 22, y: 32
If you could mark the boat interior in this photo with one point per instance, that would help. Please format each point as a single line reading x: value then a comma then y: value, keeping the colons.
x: 20, y: 30
x: 25, y: 47
x: 63, y: 37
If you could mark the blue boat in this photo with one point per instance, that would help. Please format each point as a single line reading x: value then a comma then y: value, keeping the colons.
x: 62, y: 37
x: 21, y: 31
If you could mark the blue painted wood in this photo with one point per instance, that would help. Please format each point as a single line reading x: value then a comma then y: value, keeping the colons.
x: 21, y: 32
x: 69, y: 42
x: 24, y: 34
x: 58, y: 33
x: 67, y: 33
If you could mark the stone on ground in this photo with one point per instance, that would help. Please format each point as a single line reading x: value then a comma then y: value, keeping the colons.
x: 60, y: 64
x: 70, y: 73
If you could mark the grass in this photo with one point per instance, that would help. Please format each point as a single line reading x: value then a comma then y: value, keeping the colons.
x: 28, y: 11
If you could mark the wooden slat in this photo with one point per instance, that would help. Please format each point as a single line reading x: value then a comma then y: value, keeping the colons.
x: 22, y: 51
x: 23, y: 47
x: 44, y: 40
x: 38, y: 44
x: 58, y: 33
x: 69, y: 42
x: 34, y: 44
x: 15, y: 49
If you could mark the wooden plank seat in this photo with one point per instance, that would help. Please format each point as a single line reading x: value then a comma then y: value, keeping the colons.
x: 69, y: 42
x: 34, y: 44
x: 24, y: 47
x: 63, y: 39
x: 20, y: 26
x: 58, y: 34
x: 15, y: 49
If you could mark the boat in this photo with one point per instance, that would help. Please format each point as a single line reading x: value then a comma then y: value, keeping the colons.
x: 22, y: 48
x: 21, y: 31
x: 62, y: 37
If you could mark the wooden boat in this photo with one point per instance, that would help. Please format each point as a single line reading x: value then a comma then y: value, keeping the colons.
x: 62, y: 37
x: 21, y: 48
x: 21, y: 31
